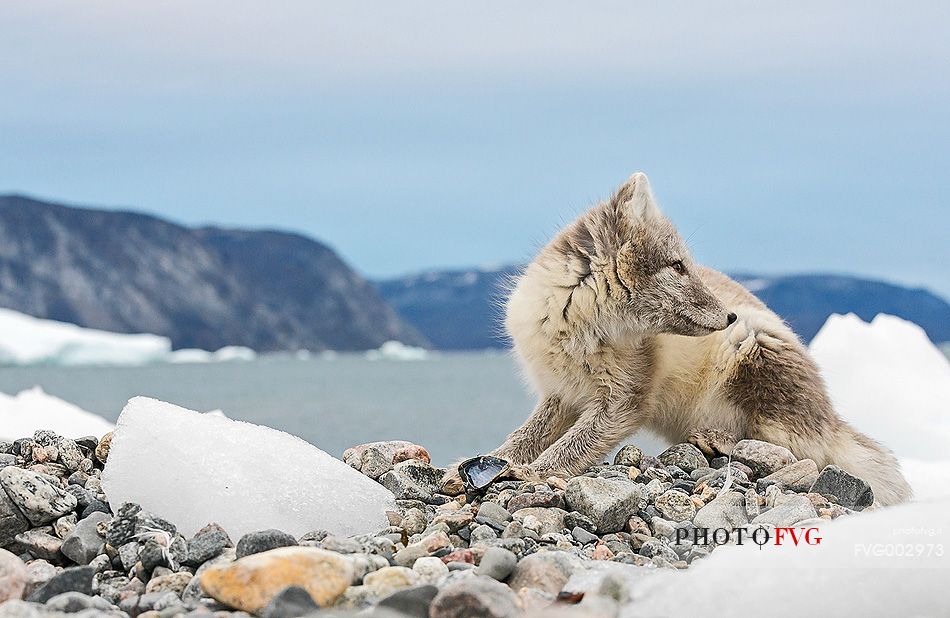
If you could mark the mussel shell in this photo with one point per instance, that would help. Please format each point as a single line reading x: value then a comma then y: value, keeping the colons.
x: 479, y: 472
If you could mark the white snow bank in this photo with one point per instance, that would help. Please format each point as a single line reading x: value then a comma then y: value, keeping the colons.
x: 397, y: 350
x: 888, y: 380
x: 193, y: 469
x: 892, y: 562
x: 25, y: 340
x: 225, y: 354
x: 21, y: 415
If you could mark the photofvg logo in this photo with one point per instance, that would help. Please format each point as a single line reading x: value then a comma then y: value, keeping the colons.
x: 761, y: 536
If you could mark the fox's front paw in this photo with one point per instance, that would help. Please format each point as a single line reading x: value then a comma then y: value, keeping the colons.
x: 713, y: 442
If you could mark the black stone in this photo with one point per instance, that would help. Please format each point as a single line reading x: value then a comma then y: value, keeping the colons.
x: 206, y: 544
x: 95, y: 506
x: 76, y: 579
x: 848, y: 490
x: 263, y: 540
x: 413, y: 602
x: 290, y: 602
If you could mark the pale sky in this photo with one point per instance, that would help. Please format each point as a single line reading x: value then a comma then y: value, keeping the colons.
x: 779, y: 137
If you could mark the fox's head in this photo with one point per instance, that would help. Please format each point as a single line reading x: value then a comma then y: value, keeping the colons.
x: 642, y: 266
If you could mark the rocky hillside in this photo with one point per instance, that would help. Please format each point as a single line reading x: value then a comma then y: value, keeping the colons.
x: 207, y: 287
x: 461, y: 309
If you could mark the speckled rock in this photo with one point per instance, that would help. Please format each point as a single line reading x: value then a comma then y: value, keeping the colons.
x: 36, y: 496
x: 850, y: 491
x: 13, y: 576
x: 763, y: 458
x: 475, y: 597
x: 609, y: 503
x: 684, y: 456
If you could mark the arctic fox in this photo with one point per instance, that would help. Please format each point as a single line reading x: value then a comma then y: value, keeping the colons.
x: 618, y: 329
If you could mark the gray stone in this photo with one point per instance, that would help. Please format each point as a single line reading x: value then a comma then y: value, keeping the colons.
x: 410, y: 602
x: 628, y: 455
x: 483, y: 533
x: 582, y: 536
x: 12, y: 521
x: 35, y: 495
x: 788, y: 510
x: 263, y: 540
x: 207, y: 543
x: 552, y: 519
x: 76, y: 579
x: 544, y: 570
x: 655, y: 547
x: 684, y: 456
x: 850, y: 491
x: 763, y: 458
x: 492, y: 512
x: 84, y: 543
x: 609, y: 503
x: 75, y: 602
x: 726, y: 511
x: 475, y: 596
x: 497, y: 563
x: 290, y: 602
x: 412, y: 480
x: 797, y: 477
x: 676, y: 505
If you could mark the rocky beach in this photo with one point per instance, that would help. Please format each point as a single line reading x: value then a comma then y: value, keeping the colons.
x: 568, y: 546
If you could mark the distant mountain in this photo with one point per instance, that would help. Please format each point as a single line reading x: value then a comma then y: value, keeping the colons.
x: 460, y: 309
x: 205, y: 288
x: 455, y: 309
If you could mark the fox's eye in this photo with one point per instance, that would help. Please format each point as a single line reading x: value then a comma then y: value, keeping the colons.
x: 679, y: 267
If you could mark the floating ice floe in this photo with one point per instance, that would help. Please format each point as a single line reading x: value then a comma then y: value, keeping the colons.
x: 196, y: 468
x: 28, y: 411
x: 887, y: 379
x: 25, y: 340
x: 397, y: 350
x: 225, y: 354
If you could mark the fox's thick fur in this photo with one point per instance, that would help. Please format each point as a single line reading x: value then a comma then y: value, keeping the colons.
x: 618, y: 329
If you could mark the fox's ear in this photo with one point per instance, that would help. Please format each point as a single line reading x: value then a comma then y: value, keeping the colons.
x: 636, y: 197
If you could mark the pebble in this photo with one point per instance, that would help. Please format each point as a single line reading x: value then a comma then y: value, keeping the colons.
x: 497, y: 563
x: 607, y: 502
x: 424, y: 547
x: 251, y: 582
x: 676, y: 505
x: 430, y: 569
x: 788, y: 510
x: 290, y: 602
x: 850, y: 491
x: 491, y: 511
x: 474, y: 596
x: 207, y: 543
x: 387, y: 580
x: 684, y: 456
x: 102, y: 449
x: 411, y: 602
x: 628, y: 455
x: 84, y: 543
x: 13, y: 576
x: 41, y: 544
x: 797, y: 477
x: 763, y: 458
x: 75, y: 579
x: 545, y: 570
x: 35, y: 495
x: 12, y: 521
x: 726, y: 511
x: 582, y: 536
x: 263, y: 540
x: 546, y: 499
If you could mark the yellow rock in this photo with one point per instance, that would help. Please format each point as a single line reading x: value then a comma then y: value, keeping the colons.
x: 250, y: 583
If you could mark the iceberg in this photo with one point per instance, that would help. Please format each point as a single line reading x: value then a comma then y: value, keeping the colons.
x: 397, y: 350
x: 28, y: 411
x: 887, y: 378
x: 225, y: 354
x: 25, y: 340
x: 194, y: 469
